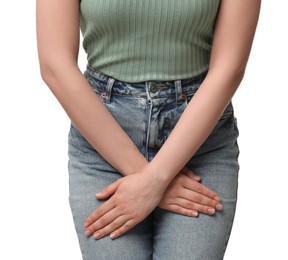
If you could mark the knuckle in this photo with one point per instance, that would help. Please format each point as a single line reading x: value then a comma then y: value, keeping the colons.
x: 96, y: 213
x: 91, y: 217
x: 114, y: 225
x: 211, y: 194
x: 186, y: 212
x: 202, y: 209
x: 212, y: 203
x: 138, y: 215
x: 100, y: 234
x: 199, y: 188
x: 198, y: 197
x: 102, y: 221
x: 127, y: 226
x: 177, y: 209
x: 122, y: 207
x: 90, y: 230
x: 188, y: 204
x: 180, y: 211
x: 116, y: 199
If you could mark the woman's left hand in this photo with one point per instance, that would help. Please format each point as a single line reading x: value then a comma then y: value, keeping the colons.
x: 133, y: 198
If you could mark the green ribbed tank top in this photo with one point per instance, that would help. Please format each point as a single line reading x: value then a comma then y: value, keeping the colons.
x: 141, y: 40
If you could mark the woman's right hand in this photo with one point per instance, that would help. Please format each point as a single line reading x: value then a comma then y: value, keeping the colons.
x: 185, y: 195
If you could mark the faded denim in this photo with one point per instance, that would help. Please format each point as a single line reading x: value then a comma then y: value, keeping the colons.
x: 148, y: 111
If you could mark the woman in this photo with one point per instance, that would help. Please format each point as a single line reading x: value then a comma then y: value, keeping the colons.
x: 152, y: 124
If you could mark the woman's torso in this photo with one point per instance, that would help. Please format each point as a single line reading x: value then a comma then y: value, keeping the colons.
x: 136, y: 41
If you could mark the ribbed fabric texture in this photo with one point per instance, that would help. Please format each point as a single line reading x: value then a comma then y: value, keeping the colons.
x: 141, y: 40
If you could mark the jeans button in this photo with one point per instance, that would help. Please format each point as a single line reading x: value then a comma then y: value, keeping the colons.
x: 153, y: 88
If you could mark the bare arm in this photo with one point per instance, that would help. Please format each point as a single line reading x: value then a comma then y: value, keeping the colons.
x: 58, y: 46
x: 232, y: 43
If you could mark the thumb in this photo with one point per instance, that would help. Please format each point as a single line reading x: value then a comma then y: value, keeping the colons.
x: 108, y: 191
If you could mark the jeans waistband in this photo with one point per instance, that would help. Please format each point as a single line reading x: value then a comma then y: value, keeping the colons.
x: 151, y: 88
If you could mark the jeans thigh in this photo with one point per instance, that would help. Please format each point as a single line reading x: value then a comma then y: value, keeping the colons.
x: 88, y: 174
x: 205, y: 237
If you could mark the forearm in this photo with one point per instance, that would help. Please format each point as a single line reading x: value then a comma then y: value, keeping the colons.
x: 92, y: 119
x: 199, y: 118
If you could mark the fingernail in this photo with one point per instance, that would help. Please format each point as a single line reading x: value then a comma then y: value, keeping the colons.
x: 219, y: 206
x: 96, y: 235
x: 217, y: 198
x: 195, y: 214
x: 211, y: 211
x: 98, y: 194
x: 112, y: 236
x: 87, y: 233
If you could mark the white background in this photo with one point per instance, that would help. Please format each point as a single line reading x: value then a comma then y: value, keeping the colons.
x: 35, y: 218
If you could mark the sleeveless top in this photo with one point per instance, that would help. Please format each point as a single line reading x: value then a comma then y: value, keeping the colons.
x: 141, y: 40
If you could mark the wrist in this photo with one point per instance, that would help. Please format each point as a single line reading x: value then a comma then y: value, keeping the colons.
x: 157, y: 175
x: 135, y: 166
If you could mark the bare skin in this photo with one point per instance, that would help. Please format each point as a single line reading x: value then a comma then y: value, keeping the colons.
x: 58, y: 46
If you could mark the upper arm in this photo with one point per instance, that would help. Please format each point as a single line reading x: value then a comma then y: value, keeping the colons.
x: 57, y: 24
x: 234, y: 33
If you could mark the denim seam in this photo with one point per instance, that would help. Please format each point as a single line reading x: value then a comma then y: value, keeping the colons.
x: 150, y: 104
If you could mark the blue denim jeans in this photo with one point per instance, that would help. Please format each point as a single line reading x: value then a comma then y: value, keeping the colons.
x: 148, y: 111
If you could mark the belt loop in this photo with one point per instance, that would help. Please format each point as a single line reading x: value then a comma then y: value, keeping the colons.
x: 106, y: 96
x: 178, y: 90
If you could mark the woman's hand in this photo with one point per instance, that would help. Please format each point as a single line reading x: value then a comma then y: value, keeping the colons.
x: 133, y: 198
x: 185, y: 195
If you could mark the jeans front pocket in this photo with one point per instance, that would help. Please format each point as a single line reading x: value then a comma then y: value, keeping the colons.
x: 224, y: 133
x: 227, y: 115
x: 98, y: 86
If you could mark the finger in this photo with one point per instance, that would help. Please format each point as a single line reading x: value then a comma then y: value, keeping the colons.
x: 114, y: 225
x: 191, y: 174
x: 103, y: 221
x: 123, y: 229
x: 181, y: 210
x: 194, y: 197
x: 108, y: 191
x: 200, y: 188
x: 190, y: 205
x: 99, y: 212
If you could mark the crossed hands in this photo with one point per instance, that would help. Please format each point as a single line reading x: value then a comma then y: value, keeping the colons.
x: 134, y: 197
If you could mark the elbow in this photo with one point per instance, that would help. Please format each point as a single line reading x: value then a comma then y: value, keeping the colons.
x: 50, y: 70
x: 45, y: 72
x: 233, y: 74
x: 238, y: 74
